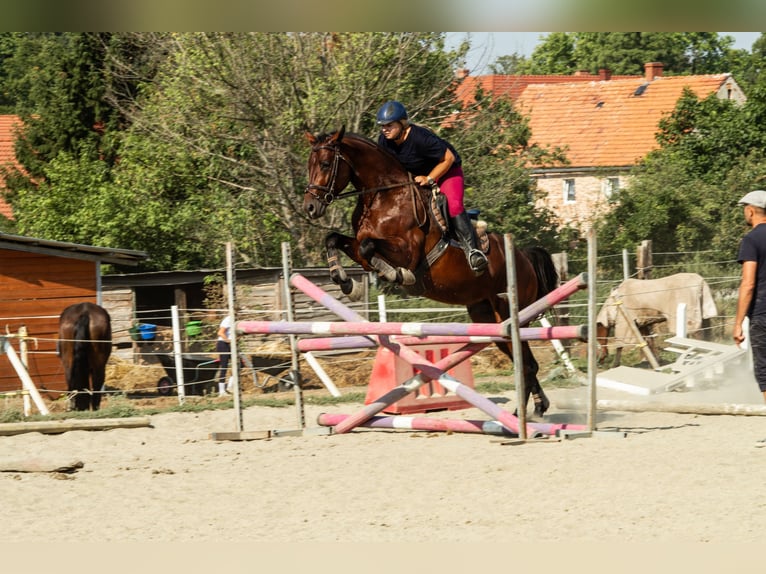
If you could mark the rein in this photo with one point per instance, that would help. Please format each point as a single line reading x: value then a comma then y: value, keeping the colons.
x: 329, y: 193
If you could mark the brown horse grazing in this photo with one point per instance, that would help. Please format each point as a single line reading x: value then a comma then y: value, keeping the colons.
x: 397, y: 235
x: 84, y: 346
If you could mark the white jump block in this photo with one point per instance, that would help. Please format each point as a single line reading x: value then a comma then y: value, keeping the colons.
x: 697, y: 361
x: 637, y: 381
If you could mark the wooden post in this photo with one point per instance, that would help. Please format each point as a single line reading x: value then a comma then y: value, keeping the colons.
x: 642, y: 344
x: 560, y: 262
x: 592, y: 313
x: 518, y: 362
x: 644, y: 259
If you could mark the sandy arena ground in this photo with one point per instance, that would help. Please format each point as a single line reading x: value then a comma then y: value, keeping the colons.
x: 674, y: 477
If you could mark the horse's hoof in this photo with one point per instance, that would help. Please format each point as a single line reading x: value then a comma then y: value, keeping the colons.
x: 405, y: 276
x: 541, y: 406
x: 357, y: 291
x: 346, y: 286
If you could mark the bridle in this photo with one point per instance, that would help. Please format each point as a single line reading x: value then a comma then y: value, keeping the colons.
x: 327, y: 193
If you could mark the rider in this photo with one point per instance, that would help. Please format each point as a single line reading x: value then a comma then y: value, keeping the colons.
x: 432, y: 161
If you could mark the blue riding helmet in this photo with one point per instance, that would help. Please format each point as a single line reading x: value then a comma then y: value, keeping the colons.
x: 391, y: 111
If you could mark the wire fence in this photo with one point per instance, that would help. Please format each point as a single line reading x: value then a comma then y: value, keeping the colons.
x: 721, y: 276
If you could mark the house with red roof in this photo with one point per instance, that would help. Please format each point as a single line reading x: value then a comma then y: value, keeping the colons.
x: 605, y: 127
x: 9, y: 124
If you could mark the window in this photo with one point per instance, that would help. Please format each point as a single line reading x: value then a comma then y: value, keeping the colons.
x: 569, y: 191
x: 609, y: 186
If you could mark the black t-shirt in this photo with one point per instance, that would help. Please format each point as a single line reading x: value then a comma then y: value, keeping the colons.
x: 753, y: 248
x: 421, y: 151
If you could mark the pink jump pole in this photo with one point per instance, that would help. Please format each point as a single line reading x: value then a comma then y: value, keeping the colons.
x: 452, y: 425
x: 560, y: 293
x: 360, y: 342
x: 428, y: 370
x: 361, y: 327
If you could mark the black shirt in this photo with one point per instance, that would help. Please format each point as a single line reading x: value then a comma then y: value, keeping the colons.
x: 753, y: 248
x: 421, y: 151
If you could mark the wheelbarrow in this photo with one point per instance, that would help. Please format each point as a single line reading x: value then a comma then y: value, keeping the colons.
x: 199, y: 374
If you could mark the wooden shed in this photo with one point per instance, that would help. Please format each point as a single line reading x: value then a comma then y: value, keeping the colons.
x: 38, y: 279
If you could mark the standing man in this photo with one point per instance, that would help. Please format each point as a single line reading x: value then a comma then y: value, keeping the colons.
x: 751, y: 302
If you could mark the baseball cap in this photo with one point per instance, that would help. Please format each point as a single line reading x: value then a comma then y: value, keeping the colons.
x: 756, y: 198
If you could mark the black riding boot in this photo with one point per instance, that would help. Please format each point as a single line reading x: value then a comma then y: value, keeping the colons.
x: 466, y: 235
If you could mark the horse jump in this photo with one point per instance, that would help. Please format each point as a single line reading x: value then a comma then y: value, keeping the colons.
x: 380, y: 333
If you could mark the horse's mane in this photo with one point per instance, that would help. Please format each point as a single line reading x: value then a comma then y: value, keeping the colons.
x: 364, y: 140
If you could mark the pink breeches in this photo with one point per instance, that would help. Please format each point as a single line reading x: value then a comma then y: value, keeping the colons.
x: 451, y: 185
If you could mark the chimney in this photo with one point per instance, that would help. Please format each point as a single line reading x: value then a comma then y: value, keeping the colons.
x: 652, y: 70
x: 604, y: 74
x: 462, y: 73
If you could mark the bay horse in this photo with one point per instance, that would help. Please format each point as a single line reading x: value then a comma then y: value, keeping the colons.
x: 84, y: 346
x: 397, y: 235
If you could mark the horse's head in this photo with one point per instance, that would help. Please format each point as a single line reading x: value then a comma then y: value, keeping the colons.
x: 329, y: 172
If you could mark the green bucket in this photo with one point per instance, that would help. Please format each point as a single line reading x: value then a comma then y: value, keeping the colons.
x: 193, y: 328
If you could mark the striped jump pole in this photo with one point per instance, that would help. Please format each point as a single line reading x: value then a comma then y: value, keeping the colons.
x: 428, y: 370
x: 361, y: 342
x: 529, y: 313
x: 450, y: 425
x: 361, y: 327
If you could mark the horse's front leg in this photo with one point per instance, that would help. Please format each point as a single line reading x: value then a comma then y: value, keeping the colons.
x: 334, y: 244
x: 368, y: 249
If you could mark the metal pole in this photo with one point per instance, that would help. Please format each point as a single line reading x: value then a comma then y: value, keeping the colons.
x: 295, y: 374
x: 592, y: 369
x: 518, y: 361
x: 625, y: 264
x: 234, y: 360
x: 177, y: 354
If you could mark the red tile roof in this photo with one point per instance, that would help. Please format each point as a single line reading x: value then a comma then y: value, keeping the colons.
x: 514, y: 85
x: 605, y: 123
x: 8, y: 126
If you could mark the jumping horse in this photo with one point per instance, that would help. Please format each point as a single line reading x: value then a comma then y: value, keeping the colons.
x: 398, y: 235
x: 84, y: 346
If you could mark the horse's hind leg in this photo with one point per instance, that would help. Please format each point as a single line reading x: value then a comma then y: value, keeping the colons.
x: 82, y: 400
x: 531, y: 382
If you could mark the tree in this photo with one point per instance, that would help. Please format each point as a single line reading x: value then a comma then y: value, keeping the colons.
x: 625, y: 53
x: 175, y: 143
x: 683, y: 195
x: 508, y: 65
x: 554, y: 55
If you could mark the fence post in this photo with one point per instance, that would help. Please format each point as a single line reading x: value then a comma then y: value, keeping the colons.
x: 561, y: 263
x: 644, y: 259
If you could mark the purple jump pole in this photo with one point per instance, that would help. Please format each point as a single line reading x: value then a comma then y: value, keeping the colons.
x: 360, y: 342
x: 453, y: 425
x: 428, y: 370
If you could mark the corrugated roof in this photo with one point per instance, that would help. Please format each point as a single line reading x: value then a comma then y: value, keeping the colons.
x: 8, y: 126
x: 607, y: 123
x: 73, y: 250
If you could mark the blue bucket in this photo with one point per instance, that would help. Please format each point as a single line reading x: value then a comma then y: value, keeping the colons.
x: 148, y: 331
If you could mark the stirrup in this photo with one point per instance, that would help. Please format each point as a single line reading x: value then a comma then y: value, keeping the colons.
x: 481, y: 265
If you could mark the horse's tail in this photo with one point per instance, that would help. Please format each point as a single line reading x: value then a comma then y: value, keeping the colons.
x: 547, y: 277
x: 80, y: 367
